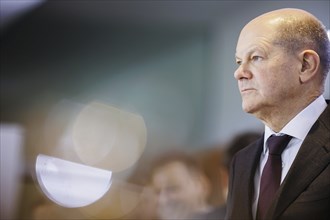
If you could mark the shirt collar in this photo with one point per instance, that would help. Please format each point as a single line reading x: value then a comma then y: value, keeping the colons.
x: 300, y: 125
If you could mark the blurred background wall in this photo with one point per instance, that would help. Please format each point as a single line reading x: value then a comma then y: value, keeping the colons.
x: 172, y: 62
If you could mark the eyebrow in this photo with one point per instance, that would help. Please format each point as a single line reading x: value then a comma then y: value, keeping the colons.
x: 251, y: 51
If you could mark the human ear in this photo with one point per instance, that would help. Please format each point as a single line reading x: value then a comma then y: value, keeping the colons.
x: 310, y: 62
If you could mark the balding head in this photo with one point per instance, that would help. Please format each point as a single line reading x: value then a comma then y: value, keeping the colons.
x: 296, y: 30
x: 280, y: 15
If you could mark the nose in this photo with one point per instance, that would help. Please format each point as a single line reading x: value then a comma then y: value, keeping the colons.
x: 242, y: 72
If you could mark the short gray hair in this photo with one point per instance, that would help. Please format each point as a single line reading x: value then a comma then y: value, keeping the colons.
x: 295, y: 34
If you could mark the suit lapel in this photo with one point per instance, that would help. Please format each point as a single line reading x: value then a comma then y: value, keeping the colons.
x: 316, y: 150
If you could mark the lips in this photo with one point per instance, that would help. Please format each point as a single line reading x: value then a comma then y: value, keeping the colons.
x: 246, y: 90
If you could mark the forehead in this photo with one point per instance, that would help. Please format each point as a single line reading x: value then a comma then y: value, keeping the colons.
x: 255, y: 36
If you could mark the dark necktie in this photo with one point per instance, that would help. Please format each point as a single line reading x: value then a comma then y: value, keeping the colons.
x: 271, y: 174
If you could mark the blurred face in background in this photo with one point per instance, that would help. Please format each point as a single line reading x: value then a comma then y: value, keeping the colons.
x: 182, y: 191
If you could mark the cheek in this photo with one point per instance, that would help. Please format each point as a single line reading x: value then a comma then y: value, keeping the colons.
x: 277, y: 77
x: 265, y: 84
x: 288, y: 76
x: 271, y: 88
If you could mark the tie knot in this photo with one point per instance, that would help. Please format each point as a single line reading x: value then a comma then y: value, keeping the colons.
x: 277, y: 144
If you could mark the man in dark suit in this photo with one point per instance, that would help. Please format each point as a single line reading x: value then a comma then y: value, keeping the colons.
x: 283, y: 58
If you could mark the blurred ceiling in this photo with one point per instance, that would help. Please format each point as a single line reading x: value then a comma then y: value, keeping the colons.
x: 141, y: 12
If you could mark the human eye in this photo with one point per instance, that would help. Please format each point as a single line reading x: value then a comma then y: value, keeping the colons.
x: 256, y: 58
x: 238, y: 62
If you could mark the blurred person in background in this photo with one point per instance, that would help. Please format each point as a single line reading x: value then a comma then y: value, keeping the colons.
x: 182, y: 187
x: 216, y: 162
x: 283, y: 59
x: 147, y: 205
x: 209, y: 158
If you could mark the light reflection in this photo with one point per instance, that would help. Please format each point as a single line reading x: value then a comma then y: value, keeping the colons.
x: 71, y: 184
x: 85, y: 144
x: 11, y: 10
x: 95, y: 134
x: 95, y: 131
x: 121, y: 199
x: 108, y: 137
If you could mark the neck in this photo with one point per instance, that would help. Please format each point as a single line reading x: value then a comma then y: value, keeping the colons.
x: 277, y: 118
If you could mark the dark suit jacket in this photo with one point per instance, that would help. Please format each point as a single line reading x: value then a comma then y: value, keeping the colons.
x: 305, y: 191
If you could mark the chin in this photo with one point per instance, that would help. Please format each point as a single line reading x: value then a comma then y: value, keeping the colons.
x: 247, y: 107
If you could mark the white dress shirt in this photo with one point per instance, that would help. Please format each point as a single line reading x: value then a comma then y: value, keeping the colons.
x: 298, y: 128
